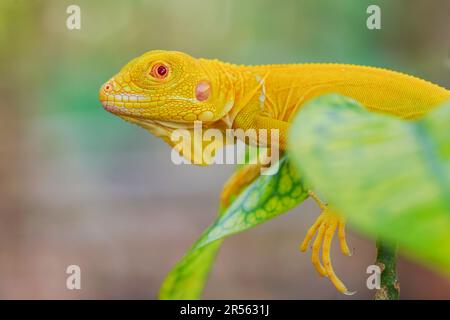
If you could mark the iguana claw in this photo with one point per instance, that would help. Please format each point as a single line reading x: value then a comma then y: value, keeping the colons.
x: 325, y: 228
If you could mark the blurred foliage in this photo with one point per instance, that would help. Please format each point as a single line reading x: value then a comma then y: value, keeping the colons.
x: 267, y: 197
x: 390, y: 177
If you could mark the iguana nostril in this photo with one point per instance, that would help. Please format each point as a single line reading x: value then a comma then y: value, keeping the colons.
x: 108, y: 87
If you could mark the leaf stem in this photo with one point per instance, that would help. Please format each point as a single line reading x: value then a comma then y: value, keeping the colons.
x: 387, y: 261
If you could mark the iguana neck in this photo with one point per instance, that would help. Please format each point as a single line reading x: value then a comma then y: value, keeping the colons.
x: 238, y: 86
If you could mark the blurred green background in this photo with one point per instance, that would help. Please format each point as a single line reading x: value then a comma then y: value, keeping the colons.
x: 80, y: 186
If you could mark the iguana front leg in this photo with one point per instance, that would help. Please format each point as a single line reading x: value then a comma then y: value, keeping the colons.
x: 325, y: 228
x: 327, y: 223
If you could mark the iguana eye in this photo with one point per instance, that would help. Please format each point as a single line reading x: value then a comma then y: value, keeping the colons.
x: 159, y: 71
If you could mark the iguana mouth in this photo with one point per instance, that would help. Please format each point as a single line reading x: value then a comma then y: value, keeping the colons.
x: 136, y: 113
x: 163, y: 126
x: 127, y: 104
x: 118, y: 110
x: 121, y: 108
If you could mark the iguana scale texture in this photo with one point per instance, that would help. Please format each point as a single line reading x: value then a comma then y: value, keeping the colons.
x: 167, y: 90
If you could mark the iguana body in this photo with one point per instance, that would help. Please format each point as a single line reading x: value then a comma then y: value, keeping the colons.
x: 165, y: 90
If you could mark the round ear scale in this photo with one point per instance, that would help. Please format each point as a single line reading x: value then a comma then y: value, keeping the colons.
x: 203, y: 90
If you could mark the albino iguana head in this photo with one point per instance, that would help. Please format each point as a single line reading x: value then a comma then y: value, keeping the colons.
x: 167, y: 90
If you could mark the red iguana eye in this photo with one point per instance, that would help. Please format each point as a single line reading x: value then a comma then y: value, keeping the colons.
x: 159, y: 71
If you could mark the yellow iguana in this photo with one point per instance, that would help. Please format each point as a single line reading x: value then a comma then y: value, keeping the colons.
x: 166, y: 90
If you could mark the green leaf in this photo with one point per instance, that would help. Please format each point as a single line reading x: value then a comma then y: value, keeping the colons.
x: 188, y: 278
x: 267, y: 197
x: 390, y: 176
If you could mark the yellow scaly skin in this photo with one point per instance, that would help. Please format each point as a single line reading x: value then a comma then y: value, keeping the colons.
x: 258, y: 97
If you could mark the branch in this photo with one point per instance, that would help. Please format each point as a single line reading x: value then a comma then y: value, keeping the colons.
x: 387, y: 261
